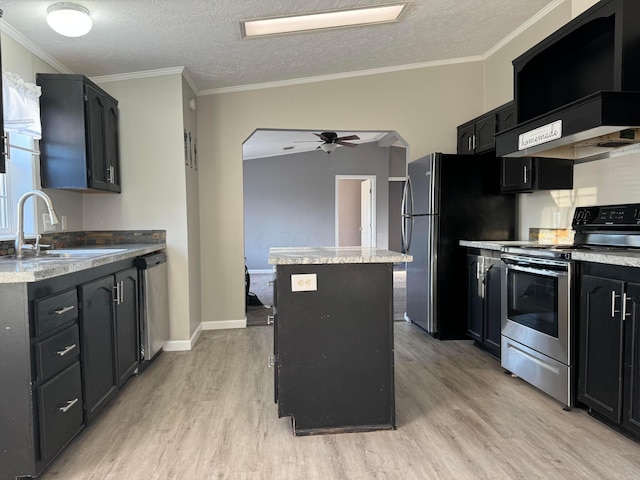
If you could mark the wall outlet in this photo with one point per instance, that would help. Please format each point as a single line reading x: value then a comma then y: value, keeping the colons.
x: 304, y: 282
x: 46, y: 222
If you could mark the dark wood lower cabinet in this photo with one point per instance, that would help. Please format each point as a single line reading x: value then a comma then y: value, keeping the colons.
x: 67, y: 345
x: 631, y: 412
x: 609, y: 346
x: 97, y: 325
x: 484, y: 306
x: 127, y: 341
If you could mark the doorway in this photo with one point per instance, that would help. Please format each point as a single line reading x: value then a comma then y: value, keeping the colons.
x: 355, y: 211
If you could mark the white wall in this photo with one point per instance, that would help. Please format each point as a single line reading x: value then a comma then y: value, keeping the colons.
x: 423, y: 105
x: 154, y: 189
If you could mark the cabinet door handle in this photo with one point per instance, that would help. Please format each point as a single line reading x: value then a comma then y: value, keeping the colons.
x: 625, y: 314
x: 64, y: 310
x: 116, y: 293
x: 474, y: 141
x: 66, y: 350
x: 469, y: 144
x: 613, y: 303
x: 6, y: 150
x: 524, y: 168
x: 69, y: 404
x: 270, y: 319
x: 111, y: 175
x: 121, y: 291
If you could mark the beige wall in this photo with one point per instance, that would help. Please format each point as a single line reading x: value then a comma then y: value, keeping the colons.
x: 193, y: 209
x: 154, y: 190
x: 17, y: 59
x: 423, y: 105
x: 498, y: 67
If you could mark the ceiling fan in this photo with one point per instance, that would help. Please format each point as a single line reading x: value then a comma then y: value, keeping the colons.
x: 331, y: 140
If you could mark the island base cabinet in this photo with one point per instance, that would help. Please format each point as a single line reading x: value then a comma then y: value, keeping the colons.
x: 334, y: 347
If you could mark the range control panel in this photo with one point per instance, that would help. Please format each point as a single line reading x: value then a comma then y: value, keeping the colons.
x: 607, y: 216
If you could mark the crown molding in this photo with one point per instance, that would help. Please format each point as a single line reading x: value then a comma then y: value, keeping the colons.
x: 339, y: 76
x: 32, y: 47
x: 522, y: 28
x: 160, y: 72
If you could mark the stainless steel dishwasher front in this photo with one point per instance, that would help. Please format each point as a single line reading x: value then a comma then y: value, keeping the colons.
x: 154, y: 305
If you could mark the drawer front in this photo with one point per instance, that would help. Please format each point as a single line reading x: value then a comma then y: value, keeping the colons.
x: 60, y: 411
x: 57, y: 352
x: 51, y: 312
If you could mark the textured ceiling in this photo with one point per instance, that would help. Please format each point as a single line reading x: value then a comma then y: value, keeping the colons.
x: 204, y: 36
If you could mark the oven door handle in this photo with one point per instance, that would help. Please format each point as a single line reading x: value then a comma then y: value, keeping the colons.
x: 537, y: 271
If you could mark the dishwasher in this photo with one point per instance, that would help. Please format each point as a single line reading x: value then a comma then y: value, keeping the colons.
x: 154, y: 305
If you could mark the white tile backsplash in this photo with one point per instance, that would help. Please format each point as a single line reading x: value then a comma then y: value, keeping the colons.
x: 602, y: 182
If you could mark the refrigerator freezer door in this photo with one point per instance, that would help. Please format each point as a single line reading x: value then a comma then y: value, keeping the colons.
x: 421, y: 272
x: 421, y: 191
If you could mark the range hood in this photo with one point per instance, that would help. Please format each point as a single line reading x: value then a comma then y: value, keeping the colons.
x: 577, y: 92
x: 598, y: 126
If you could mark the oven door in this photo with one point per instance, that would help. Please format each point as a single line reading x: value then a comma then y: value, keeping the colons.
x: 535, y: 306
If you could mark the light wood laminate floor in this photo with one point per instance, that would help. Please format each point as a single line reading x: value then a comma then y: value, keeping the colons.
x: 209, y: 414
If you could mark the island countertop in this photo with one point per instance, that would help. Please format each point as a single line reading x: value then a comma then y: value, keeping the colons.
x: 333, y: 255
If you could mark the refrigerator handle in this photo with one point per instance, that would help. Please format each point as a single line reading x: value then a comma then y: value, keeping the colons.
x: 405, y: 215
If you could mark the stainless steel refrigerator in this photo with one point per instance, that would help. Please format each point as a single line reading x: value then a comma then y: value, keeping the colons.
x: 448, y: 198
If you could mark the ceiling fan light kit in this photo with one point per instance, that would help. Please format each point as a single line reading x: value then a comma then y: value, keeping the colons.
x: 328, y: 147
x: 322, y: 20
x: 69, y: 19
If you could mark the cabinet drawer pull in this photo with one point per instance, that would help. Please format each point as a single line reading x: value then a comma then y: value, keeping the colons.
x: 64, y: 310
x: 524, y: 168
x: 66, y: 350
x: 269, y: 319
x: 69, y: 404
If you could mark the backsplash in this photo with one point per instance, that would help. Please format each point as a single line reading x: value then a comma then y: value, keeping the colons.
x: 82, y: 239
x: 551, y: 236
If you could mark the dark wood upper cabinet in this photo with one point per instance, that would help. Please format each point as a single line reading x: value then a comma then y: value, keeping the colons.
x: 478, y: 135
x: 79, y: 146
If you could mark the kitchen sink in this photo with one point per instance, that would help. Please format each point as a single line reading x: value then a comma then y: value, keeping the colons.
x: 60, y: 254
x: 80, y: 252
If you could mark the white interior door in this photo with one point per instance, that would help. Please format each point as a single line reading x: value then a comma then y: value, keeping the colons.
x: 355, y: 210
x: 366, y: 209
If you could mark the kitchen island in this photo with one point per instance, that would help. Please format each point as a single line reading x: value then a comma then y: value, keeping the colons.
x: 333, y: 338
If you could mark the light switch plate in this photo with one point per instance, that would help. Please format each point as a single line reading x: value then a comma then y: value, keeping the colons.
x: 304, y: 282
x: 46, y: 222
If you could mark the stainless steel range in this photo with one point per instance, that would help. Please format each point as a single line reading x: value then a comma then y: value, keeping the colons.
x: 537, y: 297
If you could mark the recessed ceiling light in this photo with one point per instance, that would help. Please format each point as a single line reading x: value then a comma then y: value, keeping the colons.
x: 69, y: 19
x: 322, y: 20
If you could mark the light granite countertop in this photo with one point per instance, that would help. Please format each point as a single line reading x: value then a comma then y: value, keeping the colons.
x: 493, y: 244
x: 33, y: 269
x: 626, y: 258
x: 333, y: 255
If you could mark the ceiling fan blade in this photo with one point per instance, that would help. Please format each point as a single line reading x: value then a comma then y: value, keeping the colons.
x: 346, y: 144
x: 348, y: 137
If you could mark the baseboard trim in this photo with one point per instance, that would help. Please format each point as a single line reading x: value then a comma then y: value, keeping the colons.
x: 225, y: 324
x: 183, y: 345
x: 186, y: 345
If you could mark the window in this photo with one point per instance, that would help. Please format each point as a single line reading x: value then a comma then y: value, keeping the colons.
x: 20, y: 178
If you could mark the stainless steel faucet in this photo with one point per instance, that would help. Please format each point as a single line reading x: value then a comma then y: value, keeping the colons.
x: 20, y: 220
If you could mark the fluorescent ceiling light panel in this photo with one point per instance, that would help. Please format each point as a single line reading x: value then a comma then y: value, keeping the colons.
x: 322, y: 20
